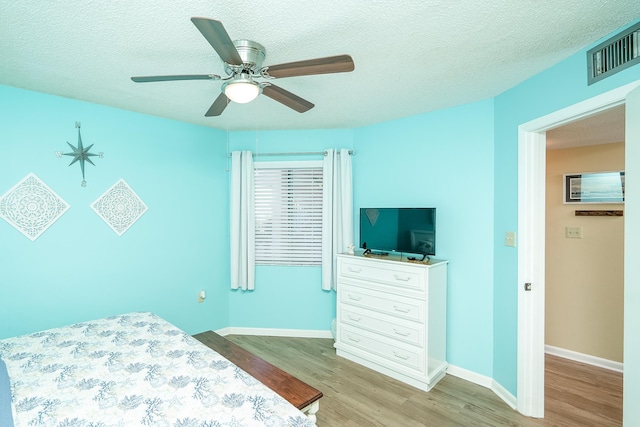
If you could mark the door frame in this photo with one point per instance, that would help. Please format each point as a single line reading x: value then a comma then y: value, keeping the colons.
x: 531, y: 247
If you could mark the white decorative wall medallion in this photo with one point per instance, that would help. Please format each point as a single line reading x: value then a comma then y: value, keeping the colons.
x: 31, y: 206
x: 119, y: 207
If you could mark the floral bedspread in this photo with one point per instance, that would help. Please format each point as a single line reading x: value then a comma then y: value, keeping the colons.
x: 133, y: 370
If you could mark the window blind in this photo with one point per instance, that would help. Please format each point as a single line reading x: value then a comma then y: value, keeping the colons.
x: 288, y: 215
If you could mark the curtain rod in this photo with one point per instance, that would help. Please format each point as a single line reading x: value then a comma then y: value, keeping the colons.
x: 299, y: 153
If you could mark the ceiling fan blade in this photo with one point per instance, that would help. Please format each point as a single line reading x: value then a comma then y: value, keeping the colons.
x: 218, y: 106
x: 287, y: 98
x: 219, y: 39
x: 330, y: 64
x: 146, y: 79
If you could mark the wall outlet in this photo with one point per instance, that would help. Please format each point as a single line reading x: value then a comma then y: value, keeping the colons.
x: 573, y: 232
x: 510, y: 238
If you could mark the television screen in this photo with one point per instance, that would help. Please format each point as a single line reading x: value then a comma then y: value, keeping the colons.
x: 411, y: 230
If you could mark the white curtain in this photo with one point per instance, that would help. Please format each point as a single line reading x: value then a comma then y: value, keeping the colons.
x: 337, y: 212
x: 242, y: 222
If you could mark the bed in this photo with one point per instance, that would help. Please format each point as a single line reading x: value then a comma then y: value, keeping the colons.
x: 134, y: 369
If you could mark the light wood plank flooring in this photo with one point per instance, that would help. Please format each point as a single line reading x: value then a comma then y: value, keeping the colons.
x: 576, y: 394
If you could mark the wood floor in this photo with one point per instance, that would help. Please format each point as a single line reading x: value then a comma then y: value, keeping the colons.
x: 575, y: 394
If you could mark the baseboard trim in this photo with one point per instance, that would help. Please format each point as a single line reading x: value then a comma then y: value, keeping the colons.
x: 484, y: 381
x: 584, y: 358
x: 470, y: 376
x: 504, y: 394
x: 270, y: 332
x: 223, y: 332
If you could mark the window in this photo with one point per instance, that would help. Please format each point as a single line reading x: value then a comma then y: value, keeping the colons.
x: 288, y: 213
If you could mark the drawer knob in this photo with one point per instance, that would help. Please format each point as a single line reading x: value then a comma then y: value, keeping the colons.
x: 353, y: 338
x: 354, y: 318
x: 402, y: 278
x: 404, y: 334
x: 354, y: 298
x: 355, y: 270
x: 400, y: 356
x: 401, y: 309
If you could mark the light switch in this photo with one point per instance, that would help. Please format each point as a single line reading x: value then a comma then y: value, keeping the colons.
x: 510, y: 238
x: 573, y: 232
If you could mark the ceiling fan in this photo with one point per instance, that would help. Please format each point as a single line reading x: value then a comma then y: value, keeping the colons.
x: 243, y: 64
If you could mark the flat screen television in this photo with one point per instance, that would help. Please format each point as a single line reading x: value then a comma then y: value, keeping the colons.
x: 410, y: 230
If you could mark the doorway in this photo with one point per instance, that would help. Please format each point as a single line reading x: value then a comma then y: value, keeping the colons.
x: 584, y: 254
x: 531, y: 229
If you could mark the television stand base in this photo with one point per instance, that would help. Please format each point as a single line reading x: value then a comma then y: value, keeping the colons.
x: 413, y: 258
x: 376, y: 253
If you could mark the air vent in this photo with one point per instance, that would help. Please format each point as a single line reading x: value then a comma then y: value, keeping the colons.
x: 615, y: 54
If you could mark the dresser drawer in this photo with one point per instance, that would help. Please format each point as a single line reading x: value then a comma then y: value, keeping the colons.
x: 391, y: 316
x: 405, y: 331
x: 384, y: 274
x: 414, y: 359
x: 394, y: 305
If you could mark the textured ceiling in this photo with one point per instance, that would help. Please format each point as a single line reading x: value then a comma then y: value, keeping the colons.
x: 602, y: 128
x: 410, y: 56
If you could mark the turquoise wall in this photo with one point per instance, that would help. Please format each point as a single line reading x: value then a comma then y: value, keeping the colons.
x: 79, y: 269
x: 286, y: 297
x: 558, y: 87
x: 442, y: 159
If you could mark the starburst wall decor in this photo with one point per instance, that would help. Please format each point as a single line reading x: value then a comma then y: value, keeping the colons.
x: 80, y: 154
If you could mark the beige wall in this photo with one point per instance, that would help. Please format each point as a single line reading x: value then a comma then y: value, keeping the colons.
x: 584, y: 277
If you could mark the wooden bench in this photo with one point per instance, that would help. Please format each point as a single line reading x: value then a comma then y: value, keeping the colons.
x: 298, y: 393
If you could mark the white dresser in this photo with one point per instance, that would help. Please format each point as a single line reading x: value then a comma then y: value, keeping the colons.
x: 391, y: 317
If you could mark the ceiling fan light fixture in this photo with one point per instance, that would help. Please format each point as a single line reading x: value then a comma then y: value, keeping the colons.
x: 243, y: 61
x: 242, y: 89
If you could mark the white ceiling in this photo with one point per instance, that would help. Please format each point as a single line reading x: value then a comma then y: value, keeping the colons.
x: 603, y: 128
x: 411, y: 56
